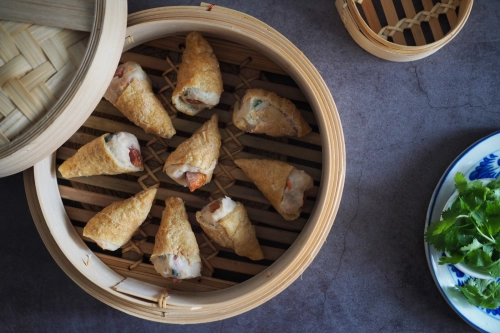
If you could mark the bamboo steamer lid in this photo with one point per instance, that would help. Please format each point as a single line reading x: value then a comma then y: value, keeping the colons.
x: 56, y: 61
x: 404, y: 30
x: 139, y: 290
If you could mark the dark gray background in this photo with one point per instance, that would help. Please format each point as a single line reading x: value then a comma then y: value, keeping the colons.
x: 404, y: 123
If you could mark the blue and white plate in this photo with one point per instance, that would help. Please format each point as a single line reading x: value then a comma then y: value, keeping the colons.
x: 481, y: 160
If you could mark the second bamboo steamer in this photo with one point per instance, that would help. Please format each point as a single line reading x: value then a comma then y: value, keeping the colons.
x: 404, y: 30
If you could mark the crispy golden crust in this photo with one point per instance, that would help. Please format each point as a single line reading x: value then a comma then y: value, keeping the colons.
x: 117, y: 222
x: 94, y: 158
x: 280, y: 118
x: 139, y: 104
x: 175, y: 235
x: 199, y: 69
x: 200, y: 150
x: 234, y: 231
x: 270, y: 177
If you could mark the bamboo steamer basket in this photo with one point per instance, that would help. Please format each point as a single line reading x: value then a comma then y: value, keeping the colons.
x: 403, y: 30
x: 251, y: 54
x: 49, y: 55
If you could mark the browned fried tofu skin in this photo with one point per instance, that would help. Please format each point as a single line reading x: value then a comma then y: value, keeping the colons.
x: 115, y: 225
x: 264, y: 112
x: 282, y: 184
x: 199, y: 80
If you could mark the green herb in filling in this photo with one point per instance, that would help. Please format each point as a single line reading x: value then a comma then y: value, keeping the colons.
x: 109, y: 138
x: 256, y: 103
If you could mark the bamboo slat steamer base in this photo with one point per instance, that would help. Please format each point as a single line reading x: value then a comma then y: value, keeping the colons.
x: 251, y: 54
x: 403, y: 30
x: 51, y: 73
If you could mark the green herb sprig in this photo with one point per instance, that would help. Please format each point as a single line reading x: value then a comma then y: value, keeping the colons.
x: 483, y: 293
x: 469, y: 230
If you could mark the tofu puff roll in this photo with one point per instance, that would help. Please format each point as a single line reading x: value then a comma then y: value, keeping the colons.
x: 282, y: 184
x: 193, y: 162
x: 264, y: 112
x: 115, y: 225
x: 199, y: 80
x: 130, y: 91
x: 109, y: 154
x: 176, y: 253
x: 226, y: 222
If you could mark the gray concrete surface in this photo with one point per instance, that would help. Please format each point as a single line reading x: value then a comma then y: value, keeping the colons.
x: 404, y: 123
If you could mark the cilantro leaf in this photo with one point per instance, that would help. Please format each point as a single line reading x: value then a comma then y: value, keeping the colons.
x: 494, y: 184
x: 493, y: 208
x: 451, y: 213
x: 482, y: 293
x: 479, y: 216
x: 451, y: 238
x: 494, y: 269
x: 453, y: 259
x: 439, y: 227
x: 472, y: 246
x: 437, y: 235
x: 478, y: 258
x: 460, y: 182
x: 495, y: 193
x: 467, y: 203
x: 493, y: 224
x: 469, y: 229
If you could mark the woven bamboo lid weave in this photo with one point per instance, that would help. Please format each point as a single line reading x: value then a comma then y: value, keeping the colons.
x: 49, y: 56
x: 135, y: 288
x: 403, y: 30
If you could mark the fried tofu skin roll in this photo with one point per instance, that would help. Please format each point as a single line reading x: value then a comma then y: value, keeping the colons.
x: 130, y: 91
x: 264, y: 112
x: 115, y: 225
x: 109, y: 154
x: 199, y: 80
x: 176, y: 253
x: 226, y: 222
x: 193, y: 162
x: 282, y: 184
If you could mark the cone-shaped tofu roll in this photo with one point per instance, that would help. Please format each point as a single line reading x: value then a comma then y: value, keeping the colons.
x: 264, y: 112
x: 109, y: 154
x: 115, y: 225
x: 282, y: 184
x: 226, y: 222
x: 130, y: 91
x: 199, y: 81
x: 176, y: 253
x: 193, y: 162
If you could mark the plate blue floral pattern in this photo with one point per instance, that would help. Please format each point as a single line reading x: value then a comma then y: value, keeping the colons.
x: 489, y: 167
x: 481, y: 160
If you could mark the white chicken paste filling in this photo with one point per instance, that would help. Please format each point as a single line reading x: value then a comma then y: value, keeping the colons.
x: 169, y: 265
x: 199, y: 99
x: 226, y: 206
x: 119, y: 84
x: 178, y: 171
x: 119, y: 145
x: 248, y: 112
x: 293, y: 197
